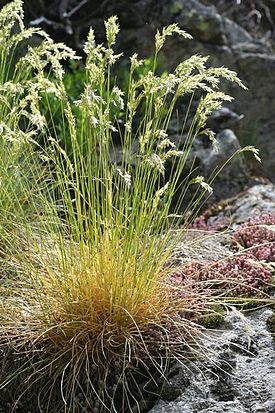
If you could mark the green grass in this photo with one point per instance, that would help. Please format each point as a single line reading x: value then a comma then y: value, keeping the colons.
x: 93, y: 316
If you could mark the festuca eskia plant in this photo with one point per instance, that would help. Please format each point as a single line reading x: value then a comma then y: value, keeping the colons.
x: 91, y: 322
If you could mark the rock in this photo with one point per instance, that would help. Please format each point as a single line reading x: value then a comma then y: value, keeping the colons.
x: 224, y: 118
x: 235, y: 33
x: 259, y: 124
x: 227, y: 144
x: 203, y: 22
x: 235, y: 372
x: 251, y: 57
x: 205, y: 158
x: 232, y: 177
x: 198, y: 245
x: 225, y: 407
x: 257, y: 200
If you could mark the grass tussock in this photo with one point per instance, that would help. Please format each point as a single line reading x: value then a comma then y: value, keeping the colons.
x: 92, y: 321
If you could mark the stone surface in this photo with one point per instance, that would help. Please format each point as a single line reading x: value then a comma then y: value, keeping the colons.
x: 224, y: 118
x: 257, y: 200
x: 235, y: 373
x: 233, y: 176
x: 199, y: 245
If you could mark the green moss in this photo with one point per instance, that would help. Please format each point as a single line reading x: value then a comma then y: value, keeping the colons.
x: 163, y: 389
x: 250, y: 303
x: 176, y: 7
x: 270, y: 322
x: 203, y: 25
x: 214, y: 318
x: 170, y: 393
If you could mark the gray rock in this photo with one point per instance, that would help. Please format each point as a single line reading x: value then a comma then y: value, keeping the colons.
x: 235, y: 33
x: 235, y: 372
x: 201, y: 21
x: 205, y: 158
x: 224, y: 118
x: 233, y: 176
x: 258, y: 71
x: 215, y: 156
x: 231, y: 45
x: 198, y: 245
x: 225, y: 407
x: 257, y: 200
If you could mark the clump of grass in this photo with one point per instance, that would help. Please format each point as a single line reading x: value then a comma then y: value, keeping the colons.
x: 94, y: 317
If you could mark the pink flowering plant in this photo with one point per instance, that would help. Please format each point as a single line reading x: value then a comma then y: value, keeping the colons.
x: 257, y: 235
x: 234, y: 276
